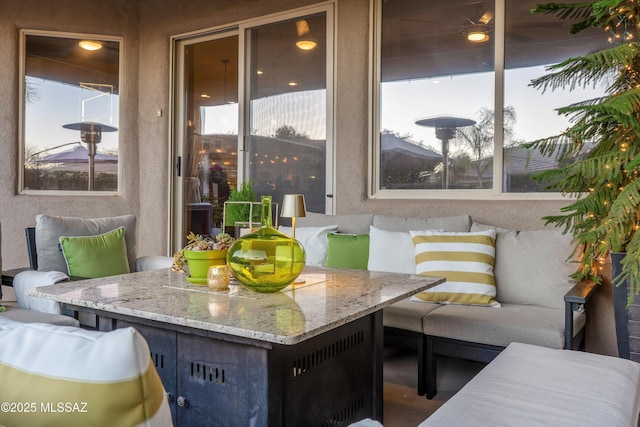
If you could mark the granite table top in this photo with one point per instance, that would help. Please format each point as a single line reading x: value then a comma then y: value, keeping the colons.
x: 327, y: 299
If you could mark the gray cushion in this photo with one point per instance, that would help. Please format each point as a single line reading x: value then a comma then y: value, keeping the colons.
x: 531, y: 266
x: 407, y: 314
x: 352, y: 224
x: 32, y: 316
x: 528, y: 386
x: 50, y: 228
x: 501, y: 326
x: 397, y: 223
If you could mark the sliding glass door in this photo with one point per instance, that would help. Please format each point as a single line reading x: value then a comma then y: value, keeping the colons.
x: 207, y: 143
x: 286, y: 148
x: 253, y: 105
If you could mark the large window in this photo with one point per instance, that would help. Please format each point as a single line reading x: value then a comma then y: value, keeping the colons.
x: 444, y: 69
x: 70, y: 91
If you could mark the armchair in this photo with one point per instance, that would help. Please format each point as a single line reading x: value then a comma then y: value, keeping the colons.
x: 23, y: 315
x: 49, y: 265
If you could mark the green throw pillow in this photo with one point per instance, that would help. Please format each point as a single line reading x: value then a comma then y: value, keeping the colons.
x: 96, y: 256
x: 348, y: 251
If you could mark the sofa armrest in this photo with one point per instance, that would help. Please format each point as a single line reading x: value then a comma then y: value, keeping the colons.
x: 574, y: 300
x: 153, y: 262
x: 580, y: 292
x: 33, y: 279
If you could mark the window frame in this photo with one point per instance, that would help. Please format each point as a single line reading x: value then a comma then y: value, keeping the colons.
x: 496, y: 193
x: 22, y: 109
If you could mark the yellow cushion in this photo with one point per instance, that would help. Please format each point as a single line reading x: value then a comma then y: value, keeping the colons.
x: 465, y: 259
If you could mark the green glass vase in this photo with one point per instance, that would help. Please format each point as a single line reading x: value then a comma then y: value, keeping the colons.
x: 266, y: 260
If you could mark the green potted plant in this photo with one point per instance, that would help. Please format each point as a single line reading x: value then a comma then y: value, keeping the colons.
x: 604, y: 217
x: 240, y: 212
x: 201, y: 252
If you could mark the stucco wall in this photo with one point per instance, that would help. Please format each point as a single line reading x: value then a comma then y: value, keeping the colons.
x: 119, y: 18
x: 144, y: 134
x: 147, y: 27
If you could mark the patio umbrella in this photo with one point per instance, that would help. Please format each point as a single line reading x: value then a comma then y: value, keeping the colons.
x: 91, y: 134
x: 77, y: 156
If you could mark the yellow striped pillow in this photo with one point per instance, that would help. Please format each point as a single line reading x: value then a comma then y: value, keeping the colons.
x: 66, y: 376
x: 465, y: 259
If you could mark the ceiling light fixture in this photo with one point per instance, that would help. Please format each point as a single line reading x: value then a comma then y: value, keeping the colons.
x: 90, y: 45
x: 302, y: 27
x: 478, y: 34
x: 306, y: 44
x: 305, y: 40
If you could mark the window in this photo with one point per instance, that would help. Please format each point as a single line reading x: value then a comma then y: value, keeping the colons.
x: 444, y: 69
x: 69, y: 91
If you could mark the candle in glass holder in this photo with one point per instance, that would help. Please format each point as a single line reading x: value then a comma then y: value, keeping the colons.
x: 218, y: 277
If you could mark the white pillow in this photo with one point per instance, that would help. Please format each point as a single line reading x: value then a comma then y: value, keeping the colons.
x: 314, y: 240
x: 391, y: 251
x: 101, y: 375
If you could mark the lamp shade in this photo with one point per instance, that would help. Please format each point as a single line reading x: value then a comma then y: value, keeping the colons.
x: 293, y: 206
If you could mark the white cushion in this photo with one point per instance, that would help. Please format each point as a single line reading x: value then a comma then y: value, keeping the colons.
x: 101, y: 376
x: 314, y: 240
x: 32, y: 316
x: 465, y: 259
x: 407, y: 314
x: 529, y: 324
x: 367, y: 422
x: 390, y: 251
x: 49, y: 229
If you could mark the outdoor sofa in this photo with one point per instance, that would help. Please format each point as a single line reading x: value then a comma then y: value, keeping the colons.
x: 537, y: 301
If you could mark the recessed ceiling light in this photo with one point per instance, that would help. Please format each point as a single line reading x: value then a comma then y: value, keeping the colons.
x: 90, y: 45
x: 204, y: 95
x: 259, y: 72
x: 293, y: 84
